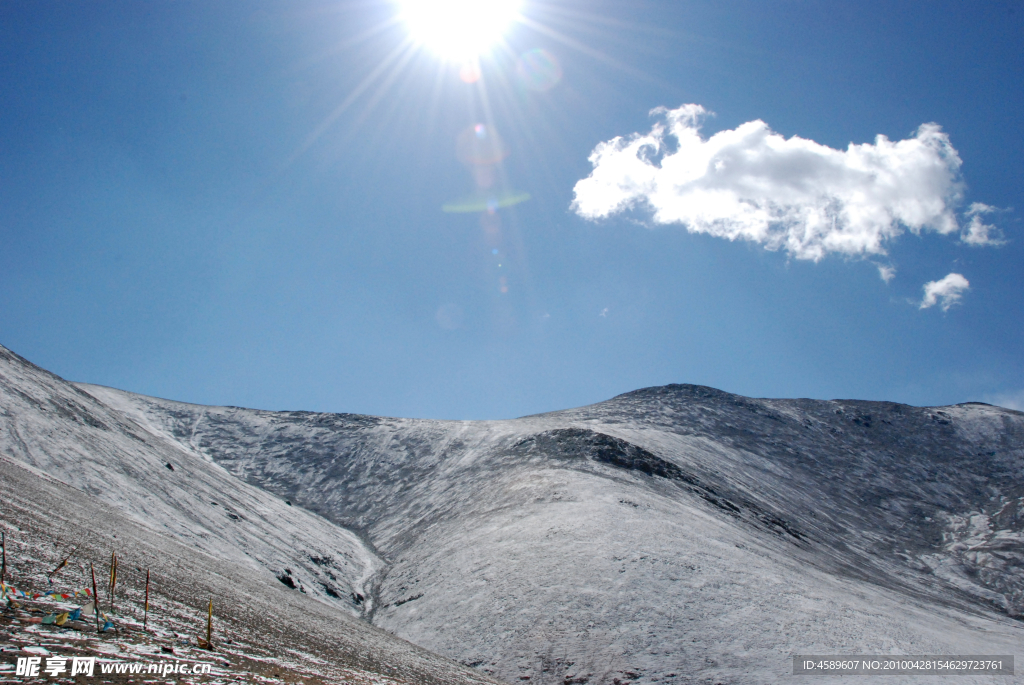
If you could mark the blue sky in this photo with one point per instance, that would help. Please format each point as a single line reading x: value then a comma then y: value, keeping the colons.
x: 241, y: 203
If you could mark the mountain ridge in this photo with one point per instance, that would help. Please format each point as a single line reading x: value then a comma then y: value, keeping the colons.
x: 906, y: 479
x: 79, y: 476
x: 675, y: 534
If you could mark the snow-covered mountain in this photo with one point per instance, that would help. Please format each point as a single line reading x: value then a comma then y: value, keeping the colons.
x: 78, y: 475
x: 64, y: 432
x: 676, y: 530
x: 674, y: 535
x: 263, y: 632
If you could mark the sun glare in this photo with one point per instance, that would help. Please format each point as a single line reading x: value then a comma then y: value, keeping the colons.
x: 458, y: 30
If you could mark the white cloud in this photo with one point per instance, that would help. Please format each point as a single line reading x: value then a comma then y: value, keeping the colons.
x: 978, y: 233
x: 945, y: 292
x: 792, y: 194
x: 886, y: 272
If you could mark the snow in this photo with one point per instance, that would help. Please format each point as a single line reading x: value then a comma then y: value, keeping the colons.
x: 123, y: 462
x: 786, y: 527
x: 261, y: 629
x: 670, y: 535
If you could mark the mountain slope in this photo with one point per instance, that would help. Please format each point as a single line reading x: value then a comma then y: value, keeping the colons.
x: 77, y: 474
x: 676, y: 534
x: 263, y: 631
x: 64, y: 432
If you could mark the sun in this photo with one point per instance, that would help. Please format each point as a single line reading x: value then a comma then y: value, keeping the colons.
x: 458, y: 30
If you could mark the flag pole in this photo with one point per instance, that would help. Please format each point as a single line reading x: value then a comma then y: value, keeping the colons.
x: 60, y: 566
x: 113, y: 580
x: 209, y: 626
x: 145, y: 615
x: 95, y: 597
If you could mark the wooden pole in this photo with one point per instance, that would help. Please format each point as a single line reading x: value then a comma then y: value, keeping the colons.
x: 209, y: 626
x: 113, y: 581
x: 61, y: 565
x: 145, y: 615
x: 95, y: 597
x: 110, y: 580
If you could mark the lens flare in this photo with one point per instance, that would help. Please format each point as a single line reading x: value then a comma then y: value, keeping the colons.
x: 491, y: 223
x: 480, y: 145
x: 538, y: 70
x: 459, y: 30
x: 485, y: 202
x: 470, y: 72
x: 449, y: 316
